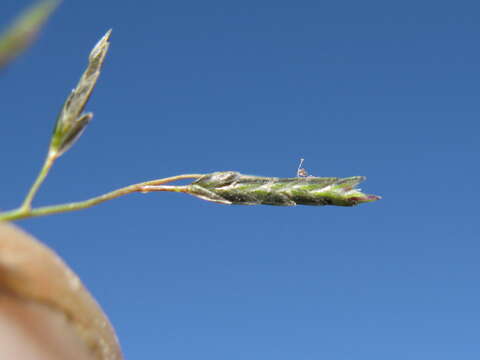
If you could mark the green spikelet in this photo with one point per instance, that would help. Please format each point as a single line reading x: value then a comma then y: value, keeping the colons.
x: 231, y: 187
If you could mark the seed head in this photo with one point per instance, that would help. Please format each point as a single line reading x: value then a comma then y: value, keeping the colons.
x: 229, y: 187
x: 72, y: 121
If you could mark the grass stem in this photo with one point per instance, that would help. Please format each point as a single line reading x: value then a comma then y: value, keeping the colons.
x: 25, y: 211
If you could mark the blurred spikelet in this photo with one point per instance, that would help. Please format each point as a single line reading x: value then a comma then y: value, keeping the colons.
x: 23, y: 31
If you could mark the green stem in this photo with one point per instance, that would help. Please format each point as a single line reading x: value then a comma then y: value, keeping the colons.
x: 47, y: 165
x: 26, y: 212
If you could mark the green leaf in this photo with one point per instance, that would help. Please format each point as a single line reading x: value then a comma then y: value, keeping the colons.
x: 23, y: 30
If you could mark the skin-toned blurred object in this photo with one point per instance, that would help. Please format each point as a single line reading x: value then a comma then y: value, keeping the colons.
x: 45, y: 311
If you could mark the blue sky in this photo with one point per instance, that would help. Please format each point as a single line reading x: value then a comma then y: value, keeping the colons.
x: 384, y: 89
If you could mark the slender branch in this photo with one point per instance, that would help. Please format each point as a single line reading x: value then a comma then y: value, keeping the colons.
x: 71, y: 121
x: 26, y: 212
x: 27, y: 203
x: 230, y: 187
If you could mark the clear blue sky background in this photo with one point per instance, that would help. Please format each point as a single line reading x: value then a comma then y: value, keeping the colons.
x: 385, y: 89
